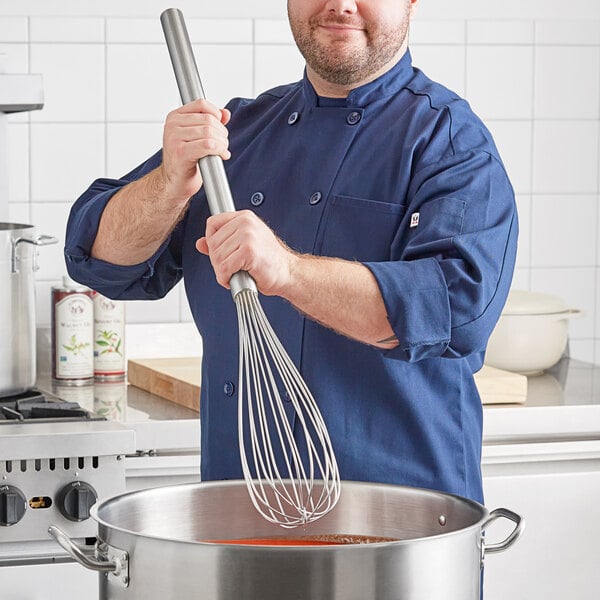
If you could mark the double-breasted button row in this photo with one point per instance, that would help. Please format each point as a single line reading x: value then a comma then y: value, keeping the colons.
x: 352, y: 118
x: 258, y: 198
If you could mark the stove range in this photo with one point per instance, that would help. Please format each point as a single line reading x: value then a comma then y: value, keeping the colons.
x: 56, y: 460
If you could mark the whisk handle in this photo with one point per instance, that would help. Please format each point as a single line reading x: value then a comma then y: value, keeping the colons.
x: 216, y: 185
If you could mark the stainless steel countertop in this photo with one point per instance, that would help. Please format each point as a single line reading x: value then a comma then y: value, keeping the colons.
x: 562, y: 402
x: 569, y: 383
x: 116, y: 399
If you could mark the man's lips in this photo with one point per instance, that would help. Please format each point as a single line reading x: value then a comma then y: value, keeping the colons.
x: 340, y: 28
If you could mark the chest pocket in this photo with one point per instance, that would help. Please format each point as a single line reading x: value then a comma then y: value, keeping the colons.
x: 358, y: 229
x: 439, y: 221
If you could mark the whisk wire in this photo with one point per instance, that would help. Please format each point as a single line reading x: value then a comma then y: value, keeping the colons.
x: 290, y: 450
x: 266, y: 469
x: 290, y: 499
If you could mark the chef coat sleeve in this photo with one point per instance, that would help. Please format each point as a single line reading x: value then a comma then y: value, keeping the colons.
x: 148, y: 280
x: 453, y: 260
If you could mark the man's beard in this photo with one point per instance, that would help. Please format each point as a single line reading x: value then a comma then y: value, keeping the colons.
x: 346, y: 66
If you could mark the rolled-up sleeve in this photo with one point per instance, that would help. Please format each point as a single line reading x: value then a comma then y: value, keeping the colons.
x: 148, y: 280
x: 453, y: 259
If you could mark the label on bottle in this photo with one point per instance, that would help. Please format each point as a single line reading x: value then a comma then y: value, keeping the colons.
x: 109, y: 337
x: 74, y: 331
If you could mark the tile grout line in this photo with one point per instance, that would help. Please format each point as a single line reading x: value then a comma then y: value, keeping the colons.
x: 105, y: 97
x: 596, y: 346
x: 532, y: 151
x: 29, y: 132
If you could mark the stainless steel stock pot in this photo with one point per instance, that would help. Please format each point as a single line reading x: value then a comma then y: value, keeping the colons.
x: 153, y: 544
x: 18, y: 253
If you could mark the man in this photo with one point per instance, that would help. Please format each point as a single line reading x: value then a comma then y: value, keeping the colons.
x: 377, y: 221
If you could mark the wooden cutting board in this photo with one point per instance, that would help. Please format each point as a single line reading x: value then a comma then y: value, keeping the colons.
x: 175, y: 379
x: 497, y: 386
x: 178, y: 380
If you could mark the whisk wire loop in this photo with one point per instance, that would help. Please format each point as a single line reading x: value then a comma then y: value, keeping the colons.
x: 292, y: 497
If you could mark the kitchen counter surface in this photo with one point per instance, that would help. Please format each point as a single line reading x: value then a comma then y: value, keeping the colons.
x: 562, y: 404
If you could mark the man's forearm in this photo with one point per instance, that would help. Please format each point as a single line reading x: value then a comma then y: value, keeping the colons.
x: 341, y: 295
x: 136, y: 221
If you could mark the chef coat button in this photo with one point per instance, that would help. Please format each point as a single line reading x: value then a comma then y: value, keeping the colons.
x: 286, y: 397
x: 315, y: 198
x: 353, y: 118
x: 229, y: 388
x: 293, y: 118
x: 257, y: 198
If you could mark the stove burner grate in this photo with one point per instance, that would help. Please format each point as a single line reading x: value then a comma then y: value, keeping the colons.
x: 35, y: 406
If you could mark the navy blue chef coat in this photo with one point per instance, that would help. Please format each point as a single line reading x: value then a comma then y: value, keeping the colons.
x: 400, y: 176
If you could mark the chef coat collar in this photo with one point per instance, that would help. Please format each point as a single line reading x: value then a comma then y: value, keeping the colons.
x: 386, y: 85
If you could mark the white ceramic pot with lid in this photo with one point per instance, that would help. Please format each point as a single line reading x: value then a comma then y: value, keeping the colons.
x: 531, y: 334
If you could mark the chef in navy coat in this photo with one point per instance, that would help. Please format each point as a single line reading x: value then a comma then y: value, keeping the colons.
x: 378, y: 222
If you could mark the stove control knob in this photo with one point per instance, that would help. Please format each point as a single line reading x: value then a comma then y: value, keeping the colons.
x: 12, y: 505
x: 75, y: 500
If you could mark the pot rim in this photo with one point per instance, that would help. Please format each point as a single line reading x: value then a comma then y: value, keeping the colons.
x: 5, y: 226
x: 269, y: 548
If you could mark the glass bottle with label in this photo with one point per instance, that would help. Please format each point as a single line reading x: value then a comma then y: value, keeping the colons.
x: 109, y: 337
x: 72, y: 332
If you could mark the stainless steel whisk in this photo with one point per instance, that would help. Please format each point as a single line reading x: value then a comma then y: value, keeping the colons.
x: 297, y: 492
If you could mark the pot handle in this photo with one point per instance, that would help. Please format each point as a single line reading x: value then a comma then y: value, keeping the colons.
x: 513, y: 536
x: 40, y: 240
x: 117, y: 565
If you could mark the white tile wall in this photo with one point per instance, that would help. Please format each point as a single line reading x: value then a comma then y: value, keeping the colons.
x: 66, y: 30
x: 514, y: 140
x: 499, y: 81
x: 139, y: 83
x: 272, y: 31
x: 529, y: 70
x: 65, y: 157
x: 438, y: 32
x: 565, y: 156
x: 13, y: 29
x: 50, y: 218
x: 564, y: 231
x: 129, y: 144
x: 577, y: 286
x: 71, y: 94
x: 276, y: 64
x: 444, y: 63
x: 15, y: 57
x: 578, y: 84
x: 18, y: 162
x: 501, y: 32
x: 524, y: 244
